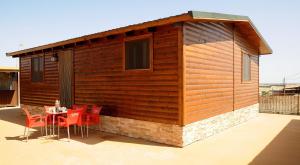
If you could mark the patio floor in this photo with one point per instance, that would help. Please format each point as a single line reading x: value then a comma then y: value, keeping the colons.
x: 267, y: 139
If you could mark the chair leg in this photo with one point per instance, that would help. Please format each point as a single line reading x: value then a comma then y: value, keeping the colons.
x: 46, y: 130
x: 69, y: 133
x: 74, y: 127
x: 51, y: 129
x: 42, y: 131
x: 28, y: 133
x: 81, y: 132
x: 58, y: 132
x: 87, y: 130
x: 25, y: 131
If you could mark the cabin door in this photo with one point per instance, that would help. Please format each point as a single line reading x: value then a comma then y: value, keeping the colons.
x: 65, y: 65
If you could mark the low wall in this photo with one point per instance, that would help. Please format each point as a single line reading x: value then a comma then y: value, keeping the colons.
x: 157, y: 132
x: 33, y: 109
x: 204, y: 128
x: 8, y: 98
x: 172, y: 134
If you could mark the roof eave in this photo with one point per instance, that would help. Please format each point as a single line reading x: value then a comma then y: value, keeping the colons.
x: 9, y: 69
x: 264, y: 48
x: 158, y: 22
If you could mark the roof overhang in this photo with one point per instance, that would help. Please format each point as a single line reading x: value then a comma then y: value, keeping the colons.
x: 243, y: 22
x: 9, y: 69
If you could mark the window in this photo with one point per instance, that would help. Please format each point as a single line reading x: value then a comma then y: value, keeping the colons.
x: 137, y: 54
x: 246, y: 67
x: 37, y: 69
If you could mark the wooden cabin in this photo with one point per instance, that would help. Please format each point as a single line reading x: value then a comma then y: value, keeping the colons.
x: 9, y: 95
x: 174, y: 80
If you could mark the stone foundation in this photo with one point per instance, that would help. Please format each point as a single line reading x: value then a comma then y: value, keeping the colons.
x: 157, y: 132
x: 204, y: 128
x: 172, y: 134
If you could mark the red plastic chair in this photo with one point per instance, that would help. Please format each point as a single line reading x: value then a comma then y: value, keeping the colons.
x: 81, y: 122
x: 76, y: 106
x: 33, y: 121
x: 93, y: 118
x: 73, y: 117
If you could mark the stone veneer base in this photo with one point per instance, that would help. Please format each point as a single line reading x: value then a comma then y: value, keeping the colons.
x: 173, y: 134
x: 204, y: 128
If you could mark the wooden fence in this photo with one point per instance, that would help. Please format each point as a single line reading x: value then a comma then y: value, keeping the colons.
x: 279, y: 104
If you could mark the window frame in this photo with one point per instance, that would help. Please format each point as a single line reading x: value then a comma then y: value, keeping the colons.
x: 43, y: 72
x: 134, y: 38
x: 242, y: 67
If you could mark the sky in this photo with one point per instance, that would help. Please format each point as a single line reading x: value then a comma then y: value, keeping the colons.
x: 25, y: 24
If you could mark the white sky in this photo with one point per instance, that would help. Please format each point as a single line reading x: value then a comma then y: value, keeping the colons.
x: 24, y: 24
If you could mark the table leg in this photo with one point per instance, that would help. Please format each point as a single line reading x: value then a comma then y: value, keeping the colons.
x: 53, y: 118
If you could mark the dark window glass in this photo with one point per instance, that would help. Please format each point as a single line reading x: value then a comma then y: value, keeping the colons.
x: 37, y: 69
x: 137, y: 54
x: 246, y: 67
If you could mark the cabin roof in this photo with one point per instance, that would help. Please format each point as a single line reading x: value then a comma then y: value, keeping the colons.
x: 244, y: 24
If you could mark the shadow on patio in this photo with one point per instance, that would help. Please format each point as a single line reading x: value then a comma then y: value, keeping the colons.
x: 14, y: 116
x: 284, y: 148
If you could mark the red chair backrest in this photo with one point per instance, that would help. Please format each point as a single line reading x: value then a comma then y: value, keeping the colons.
x: 28, y: 116
x: 75, y: 106
x: 47, y: 108
x: 73, y: 116
x: 96, y: 110
x: 26, y: 112
x: 82, y: 107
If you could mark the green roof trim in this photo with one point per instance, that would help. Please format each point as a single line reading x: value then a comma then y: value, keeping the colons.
x: 264, y: 49
x: 220, y: 16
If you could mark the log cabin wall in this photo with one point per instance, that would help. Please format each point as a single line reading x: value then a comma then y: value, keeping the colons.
x: 39, y: 93
x: 100, y: 79
x: 212, y: 71
x: 208, y: 82
x: 208, y: 54
x: 245, y: 93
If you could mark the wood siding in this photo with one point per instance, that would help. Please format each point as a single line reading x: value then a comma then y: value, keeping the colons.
x: 245, y: 93
x: 39, y: 93
x: 208, y: 52
x: 212, y: 71
x: 195, y: 74
x: 149, y: 95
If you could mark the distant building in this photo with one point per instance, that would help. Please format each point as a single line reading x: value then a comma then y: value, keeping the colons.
x: 278, y: 89
x: 9, y: 86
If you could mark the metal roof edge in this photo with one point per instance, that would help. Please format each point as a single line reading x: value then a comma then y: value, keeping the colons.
x: 231, y: 17
x: 219, y: 16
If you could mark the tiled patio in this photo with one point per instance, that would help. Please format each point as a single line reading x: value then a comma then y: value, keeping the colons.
x: 267, y: 139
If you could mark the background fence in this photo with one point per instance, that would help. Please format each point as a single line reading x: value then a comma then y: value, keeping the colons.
x: 279, y: 104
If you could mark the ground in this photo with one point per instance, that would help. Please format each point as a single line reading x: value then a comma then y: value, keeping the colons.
x: 266, y: 139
